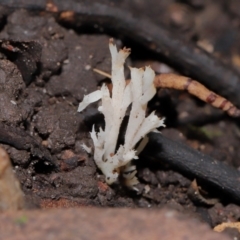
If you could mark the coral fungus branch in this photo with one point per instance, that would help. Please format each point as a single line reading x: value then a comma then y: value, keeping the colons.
x: 114, y: 107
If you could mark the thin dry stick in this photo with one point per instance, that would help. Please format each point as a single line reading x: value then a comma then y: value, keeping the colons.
x: 170, y: 80
x: 174, y: 81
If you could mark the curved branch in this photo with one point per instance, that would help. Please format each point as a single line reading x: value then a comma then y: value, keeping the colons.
x: 189, y: 58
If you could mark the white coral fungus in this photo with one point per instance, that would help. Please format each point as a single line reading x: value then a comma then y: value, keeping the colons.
x: 114, y: 106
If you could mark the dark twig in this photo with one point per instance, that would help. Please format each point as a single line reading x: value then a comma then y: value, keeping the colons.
x: 189, y: 58
x: 21, y: 140
x: 194, y: 164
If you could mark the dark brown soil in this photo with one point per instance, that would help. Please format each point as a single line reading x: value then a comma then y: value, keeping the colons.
x: 46, y: 108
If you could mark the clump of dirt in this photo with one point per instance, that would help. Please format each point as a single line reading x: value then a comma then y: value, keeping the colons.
x: 11, y: 88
